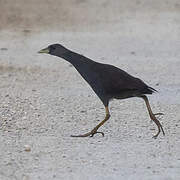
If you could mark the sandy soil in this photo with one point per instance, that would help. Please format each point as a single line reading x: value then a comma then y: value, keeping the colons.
x: 44, y: 100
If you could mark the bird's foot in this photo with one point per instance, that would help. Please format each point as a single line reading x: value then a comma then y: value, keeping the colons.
x: 157, y: 114
x: 160, y: 128
x: 90, y: 134
x: 155, y: 136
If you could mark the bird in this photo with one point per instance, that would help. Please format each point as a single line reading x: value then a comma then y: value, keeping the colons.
x: 108, y: 82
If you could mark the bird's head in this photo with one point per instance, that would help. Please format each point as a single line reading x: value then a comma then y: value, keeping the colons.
x: 54, y: 49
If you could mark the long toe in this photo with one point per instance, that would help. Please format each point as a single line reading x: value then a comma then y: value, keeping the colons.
x: 155, y: 136
x: 97, y: 133
x: 159, y: 114
x: 82, y: 135
x: 90, y: 134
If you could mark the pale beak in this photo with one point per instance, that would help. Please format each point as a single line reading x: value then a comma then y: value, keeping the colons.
x: 46, y: 50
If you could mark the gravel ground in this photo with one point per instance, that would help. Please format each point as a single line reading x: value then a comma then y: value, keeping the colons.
x: 44, y: 100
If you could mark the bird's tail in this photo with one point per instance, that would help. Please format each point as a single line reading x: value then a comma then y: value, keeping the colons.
x: 150, y: 90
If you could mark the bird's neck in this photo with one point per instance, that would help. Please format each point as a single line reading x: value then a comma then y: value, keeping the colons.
x: 75, y: 59
x: 70, y: 56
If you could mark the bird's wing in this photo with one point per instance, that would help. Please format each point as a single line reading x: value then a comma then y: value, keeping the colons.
x: 116, y: 81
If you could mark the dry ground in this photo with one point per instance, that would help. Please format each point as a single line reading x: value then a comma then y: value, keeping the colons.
x: 44, y: 100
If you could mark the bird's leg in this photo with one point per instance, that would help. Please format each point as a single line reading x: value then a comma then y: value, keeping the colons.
x: 158, y: 114
x: 94, y: 130
x: 153, y: 117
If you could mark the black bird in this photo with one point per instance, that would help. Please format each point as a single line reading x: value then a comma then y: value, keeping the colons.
x: 107, y: 81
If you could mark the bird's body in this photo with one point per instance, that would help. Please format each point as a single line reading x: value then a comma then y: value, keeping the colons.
x: 107, y: 81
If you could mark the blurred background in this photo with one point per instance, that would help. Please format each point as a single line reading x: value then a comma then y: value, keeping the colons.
x: 88, y: 16
x: 122, y: 27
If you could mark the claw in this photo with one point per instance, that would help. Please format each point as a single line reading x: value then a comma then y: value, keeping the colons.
x: 155, y: 136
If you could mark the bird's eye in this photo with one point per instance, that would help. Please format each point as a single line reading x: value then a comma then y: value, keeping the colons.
x: 52, y: 48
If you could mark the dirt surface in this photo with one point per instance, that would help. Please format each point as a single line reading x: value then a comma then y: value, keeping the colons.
x: 44, y: 100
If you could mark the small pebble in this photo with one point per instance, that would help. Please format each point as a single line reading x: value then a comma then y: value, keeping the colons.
x: 26, y: 31
x: 27, y: 148
x: 157, y: 84
x: 4, y: 49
